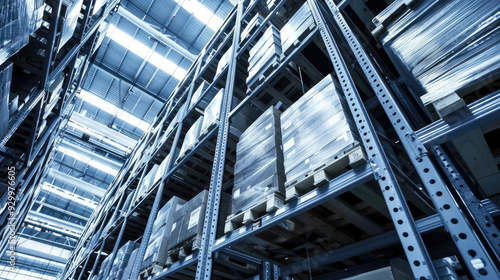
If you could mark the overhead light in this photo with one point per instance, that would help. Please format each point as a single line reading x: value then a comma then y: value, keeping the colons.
x: 69, y: 195
x: 92, y: 133
x: 145, y: 52
x: 202, y: 13
x: 113, y: 110
x: 88, y: 160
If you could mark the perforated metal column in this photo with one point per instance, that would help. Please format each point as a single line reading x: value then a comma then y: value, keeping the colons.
x: 410, y: 238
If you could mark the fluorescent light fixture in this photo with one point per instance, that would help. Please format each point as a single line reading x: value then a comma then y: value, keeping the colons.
x: 69, y: 195
x: 202, y: 13
x: 145, y: 52
x: 113, y: 110
x: 92, y: 133
x: 88, y: 160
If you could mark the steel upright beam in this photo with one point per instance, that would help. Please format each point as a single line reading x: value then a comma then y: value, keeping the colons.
x: 205, y: 260
x: 476, y: 258
x: 476, y: 209
x: 410, y: 238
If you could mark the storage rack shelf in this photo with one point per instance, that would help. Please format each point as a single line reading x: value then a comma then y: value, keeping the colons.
x: 47, y: 72
x: 438, y: 203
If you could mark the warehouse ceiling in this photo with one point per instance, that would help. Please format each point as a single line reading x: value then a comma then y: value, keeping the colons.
x: 148, y: 47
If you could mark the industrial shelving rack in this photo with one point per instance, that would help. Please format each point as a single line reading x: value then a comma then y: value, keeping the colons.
x: 453, y: 206
x: 34, y: 128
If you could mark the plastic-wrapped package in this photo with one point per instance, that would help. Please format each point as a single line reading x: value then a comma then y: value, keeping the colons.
x: 316, y: 129
x: 121, y: 260
x: 162, y: 227
x: 189, y: 219
x: 161, y: 169
x: 104, y: 264
x: 251, y: 26
x: 445, y: 46
x: 146, y: 182
x: 259, y: 170
x: 130, y: 265
x: 197, y: 93
x: 263, y: 54
x: 5, y: 80
x: 224, y: 61
x: 296, y: 27
x: 212, y: 112
x: 177, y: 118
x: 191, y: 137
x: 70, y: 13
x: 20, y: 18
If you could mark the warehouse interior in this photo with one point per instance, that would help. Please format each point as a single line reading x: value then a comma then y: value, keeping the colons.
x: 251, y: 139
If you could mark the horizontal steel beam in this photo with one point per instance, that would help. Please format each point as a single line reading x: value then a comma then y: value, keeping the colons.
x: 77, y: 183
x: 86, y: 152
x: 55, y: 221
x: 38, y: 254
x: 155, y: 33
x: 115, y: 74
x: 103, y: 130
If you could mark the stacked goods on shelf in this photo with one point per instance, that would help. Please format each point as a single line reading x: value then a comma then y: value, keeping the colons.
x: 318, y: 134
x: 224, y: 61
x: 398, y: 270
x: 187, y: 228
x: 298, y: 27
x: 198, y: 93
x: 444, y: 269
x: 252, y: 25
x: 442, y: 47
x: 146, y: 183
x: 211, y: 114
x: 121, y: 260
x: 20, y: 18
x: 130, y: 265
x: 259, y: 172
x: 127, y: 203
x: 5, y: 80
x: 191, y: 138
x: 102, y: 268
x: 70, y: 12
x: 156, y: 254
x: 264, y: 55
x: 161, y: 169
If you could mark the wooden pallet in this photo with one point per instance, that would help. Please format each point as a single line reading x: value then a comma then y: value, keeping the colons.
x: 271, y: 65
x: 324, y: 172
x: 297, y: 41
x: 183, y: 250
x: 150, y: 271
x: 268, y: 204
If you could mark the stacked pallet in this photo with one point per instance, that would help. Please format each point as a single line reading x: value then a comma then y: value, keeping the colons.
x: 20, y: 18
x: 156, y: 254
x: 121, y: 260
x: 443, y: 47
x: 264, y: 56
x: 70, y: 12
x: 318, y: 134
x: 252, y: 25
x: 297, y: 28
x: 146, y: 182
x: 187, y: 228
x: 211, y: 114
x: 197, y: 94
x: 130, y: 265
x: 259, y: 175
x: 102, y: 268
x: 191, y: 138
x: 224, y: 61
